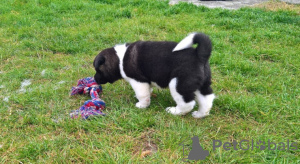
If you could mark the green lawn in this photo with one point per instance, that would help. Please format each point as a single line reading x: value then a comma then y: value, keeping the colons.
x: 51, y: 43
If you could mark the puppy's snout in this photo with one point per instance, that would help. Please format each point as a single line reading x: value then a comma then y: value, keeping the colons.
x: 96, y: 77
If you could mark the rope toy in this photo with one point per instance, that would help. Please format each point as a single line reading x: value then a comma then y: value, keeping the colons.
x: 92, y: 107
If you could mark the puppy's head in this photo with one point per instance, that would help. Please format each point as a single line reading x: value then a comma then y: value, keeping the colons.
x: 107, y: 68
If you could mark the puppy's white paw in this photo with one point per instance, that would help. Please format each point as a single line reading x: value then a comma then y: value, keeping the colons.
x: 142, y: 105
x: 175, y: 111
x: 198, y: 114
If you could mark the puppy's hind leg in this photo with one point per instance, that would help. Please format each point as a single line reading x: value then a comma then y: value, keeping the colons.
x: 205, y: 103
x: 182, y: 107
x: 142, y: 92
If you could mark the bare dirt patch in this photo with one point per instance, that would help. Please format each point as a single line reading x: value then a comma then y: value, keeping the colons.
x: 146, y: 145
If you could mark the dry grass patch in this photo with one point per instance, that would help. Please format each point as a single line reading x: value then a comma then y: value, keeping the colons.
x: 278, y: 6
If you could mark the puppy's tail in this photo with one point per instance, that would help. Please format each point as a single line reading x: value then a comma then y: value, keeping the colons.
x: 203, y: 49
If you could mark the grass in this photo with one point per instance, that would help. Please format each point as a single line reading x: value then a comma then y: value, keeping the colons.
x: 255, y: 65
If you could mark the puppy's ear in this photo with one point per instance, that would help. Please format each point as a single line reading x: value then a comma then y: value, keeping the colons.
x: 99, y: 61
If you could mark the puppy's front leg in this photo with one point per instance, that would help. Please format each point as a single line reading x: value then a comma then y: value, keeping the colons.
x: 142, y: 92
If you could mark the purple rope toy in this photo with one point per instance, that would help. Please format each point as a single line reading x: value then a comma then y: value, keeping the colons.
x: 92, y: 107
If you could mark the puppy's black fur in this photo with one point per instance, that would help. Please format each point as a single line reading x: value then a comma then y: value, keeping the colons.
x: 153, y: 61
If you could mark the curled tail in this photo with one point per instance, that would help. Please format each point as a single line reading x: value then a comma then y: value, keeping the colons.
x: 203, y: 49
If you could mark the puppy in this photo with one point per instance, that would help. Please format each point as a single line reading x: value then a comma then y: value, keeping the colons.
x: 179, y: 66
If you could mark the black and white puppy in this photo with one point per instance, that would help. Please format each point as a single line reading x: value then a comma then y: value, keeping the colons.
x: 179, y: 66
